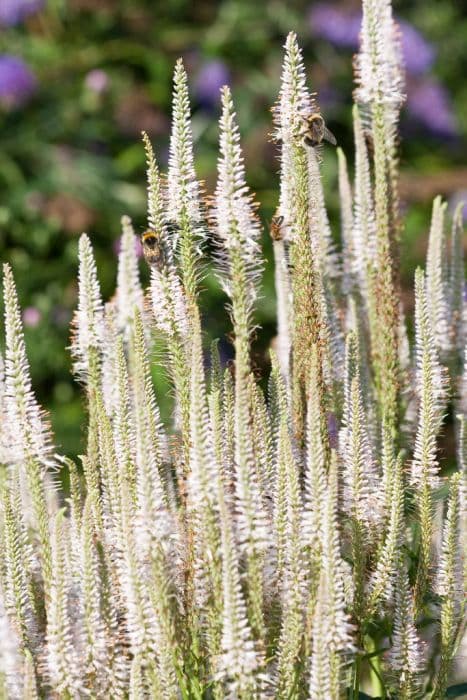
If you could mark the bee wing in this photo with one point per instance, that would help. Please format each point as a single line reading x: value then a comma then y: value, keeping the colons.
x: 329, y: 136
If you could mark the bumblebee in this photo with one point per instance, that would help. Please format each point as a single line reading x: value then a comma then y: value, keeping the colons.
x: 276, y: 228
x: 315, y: 131
x: 152, y: 249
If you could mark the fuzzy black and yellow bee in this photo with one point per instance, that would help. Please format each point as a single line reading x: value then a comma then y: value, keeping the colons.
x: 276, y: 228
x: 315, y: 131
x: 153, y: 249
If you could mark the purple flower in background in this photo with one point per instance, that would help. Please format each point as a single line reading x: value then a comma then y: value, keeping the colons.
x: 418, y: 54
x: 428, y: 102
x: 138, y: 247
x: 341, y: 27
x: 17, y: 81
x: 211, y: 77
x: 335, y: 24
x: 14, y: 11
x: 31, y: 316
x: 97, y: 80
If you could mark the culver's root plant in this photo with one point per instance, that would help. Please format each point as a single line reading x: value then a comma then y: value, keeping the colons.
x: 303, y: 542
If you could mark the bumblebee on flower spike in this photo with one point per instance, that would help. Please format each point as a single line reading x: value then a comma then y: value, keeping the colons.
x: 152, y: 249
x: 315, y: 130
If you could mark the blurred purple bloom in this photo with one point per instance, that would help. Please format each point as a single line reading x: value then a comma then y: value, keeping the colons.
x: 14, y: 11
x: 31, y: 316
x: 17, y: 81
x: 341, y: 27
x: 417, y: 52
x: 336, y: 24
x: 138, y: 247
x: 428, y: 102
x: 211, y: 77
x: 97, y: 80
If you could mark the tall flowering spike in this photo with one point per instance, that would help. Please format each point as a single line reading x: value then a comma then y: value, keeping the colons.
x: 436, y: 277
x: 96, y: 663
x: 88, y: 322
x: 362, y: 488
x: 183, y: 192
x: 18, y: 555
x: 302, y: 205
x: 240, y: 661
x: 156, y: 193
x: 405, y: 658
x: 28, y: 430
x: 183, y: 188
x: 379, y: 96
x: 379, y: 73
x: 364, y: 229
x: 317, y: 453
x: 331, y: 628
x: 383, y: 581
x: 293, y: 574
x: 457, y: 279
x: 294, y: 101
x: 237, y: 226
x: 450, y: 584
x: 430, y: 389
x: 62, y: 661
x: 129, y: 292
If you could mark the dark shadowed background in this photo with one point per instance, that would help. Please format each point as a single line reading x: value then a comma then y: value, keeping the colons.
x: 80, y: 79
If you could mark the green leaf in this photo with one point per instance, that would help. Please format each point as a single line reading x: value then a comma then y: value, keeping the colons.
x: 456, y: 691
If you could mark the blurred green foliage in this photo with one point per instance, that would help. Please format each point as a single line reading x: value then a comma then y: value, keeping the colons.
x: 71, y: 157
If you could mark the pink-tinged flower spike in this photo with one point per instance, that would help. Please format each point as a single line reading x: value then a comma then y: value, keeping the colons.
x: 436, y: 278
x: 62, y: 661
x: 405, y: 658
x: 27, y: 427
x: 237, y: 226
x: 451, y: 581
x: 129, y: 292
x: 379, y: 73
x: 431, y: 393
x: 379, y: 97
x: 30, y: 433
x: 183, y: 190
x: 457, y: 279
x: 430, y: 386
x: 240, y: 661
x: 240, y: 257
x: 332, y: 632
x: 363, y: 258
x: 88, y: 322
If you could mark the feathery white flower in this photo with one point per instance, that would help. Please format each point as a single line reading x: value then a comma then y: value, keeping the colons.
x: 183, y: 191
x: 237, y: 227
x: 436, y: 277
x: 430, y: 388
x: 26, y: 426
x: 379, y: 61
x: 129, y: 292
x: 88, y: 322
x: 405, y: 658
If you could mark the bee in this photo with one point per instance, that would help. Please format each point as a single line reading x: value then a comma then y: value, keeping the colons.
x: 276, y: 228
x: 315, y: 130
x: 152, y: 249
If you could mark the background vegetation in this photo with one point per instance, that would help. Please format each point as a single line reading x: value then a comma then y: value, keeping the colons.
x: 80, y: 79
